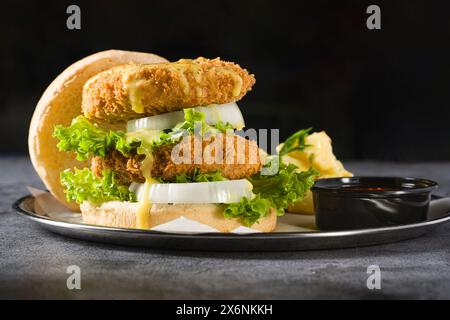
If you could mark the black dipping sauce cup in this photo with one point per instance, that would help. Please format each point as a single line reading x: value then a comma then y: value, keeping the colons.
x: 370, y: 202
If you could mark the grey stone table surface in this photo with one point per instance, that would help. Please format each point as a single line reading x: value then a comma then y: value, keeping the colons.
x: 33, y: 262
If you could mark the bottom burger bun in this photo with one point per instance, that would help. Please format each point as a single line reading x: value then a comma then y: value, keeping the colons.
x: 60, y: 103
x: 123, y: 215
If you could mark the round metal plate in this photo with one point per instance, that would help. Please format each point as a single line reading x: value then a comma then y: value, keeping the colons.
x: 276, y: 241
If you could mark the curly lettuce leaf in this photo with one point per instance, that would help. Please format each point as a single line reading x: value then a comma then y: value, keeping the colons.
x: 249, y: 211
x: 82, y: 185
x: 87, y: 139
x: 284, y: 188
x: 194, y: 118
x: 223, y: 126
x: 199, y: 177
x: 191, y: 117
x: 275, y: 191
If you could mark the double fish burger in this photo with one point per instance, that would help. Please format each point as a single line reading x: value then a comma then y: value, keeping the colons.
x: 137, y: 141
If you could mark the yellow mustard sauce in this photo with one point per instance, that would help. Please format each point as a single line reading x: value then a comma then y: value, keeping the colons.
x: 180, y: 70
x: 183, y: 66
x: 143, y: 210
x: 143, y: 217
x: 199, y: 92
x: 235, y: 77
x: 237, y: 80
x: 135, y: 95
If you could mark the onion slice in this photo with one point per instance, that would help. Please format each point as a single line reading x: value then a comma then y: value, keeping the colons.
x: 228, y: 112
x: 229, y: 191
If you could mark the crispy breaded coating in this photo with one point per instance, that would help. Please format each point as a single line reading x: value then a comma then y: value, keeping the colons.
x: 126, y: 169
x: 235, y: 157
x: 134, y: 91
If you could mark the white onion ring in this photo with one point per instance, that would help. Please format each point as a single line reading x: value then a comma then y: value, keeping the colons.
x: 229, y: 191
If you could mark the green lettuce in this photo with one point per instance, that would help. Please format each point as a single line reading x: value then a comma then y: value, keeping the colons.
x: 82, y: 185
x: 223, y: 126
x: 87, y: 139
x: 272, y: 191
x: 284, y: 188
x: 249, y: 211
x: 199, y: 177
x: 192, y: 119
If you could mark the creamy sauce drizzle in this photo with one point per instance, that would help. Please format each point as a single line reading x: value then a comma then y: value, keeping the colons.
x: 135, y: 96
x: 180, y: 70
x: 143, y: 219
x: 237, y: 80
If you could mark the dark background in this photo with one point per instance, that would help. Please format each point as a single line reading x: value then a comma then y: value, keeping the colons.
x: 381, y: 94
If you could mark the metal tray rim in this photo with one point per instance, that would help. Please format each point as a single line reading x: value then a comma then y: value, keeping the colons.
x: 265, y: 235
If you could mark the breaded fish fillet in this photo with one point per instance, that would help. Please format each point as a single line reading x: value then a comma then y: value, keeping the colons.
x: 233, y: 156
x: 135, y: 91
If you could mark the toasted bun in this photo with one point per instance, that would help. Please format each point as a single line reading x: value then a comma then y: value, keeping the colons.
x: 123, y: 215
x: 60, y: 103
